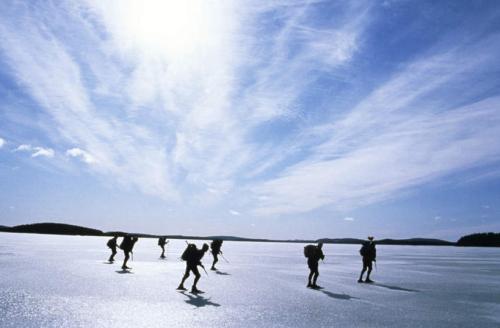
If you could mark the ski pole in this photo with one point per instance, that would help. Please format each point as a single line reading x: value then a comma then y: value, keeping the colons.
x: 224, y: 257
x: 203, y: 267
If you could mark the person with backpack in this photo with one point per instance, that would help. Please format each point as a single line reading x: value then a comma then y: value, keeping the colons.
x: 192, y: 256
x: 112, y: 244
x: 215, y: 246
x: 127, y: 245
x: 162, y: 241
x: 313, y: 255
x: 369, y: 254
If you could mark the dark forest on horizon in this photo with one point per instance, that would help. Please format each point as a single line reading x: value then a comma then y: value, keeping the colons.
x: 489, y: 239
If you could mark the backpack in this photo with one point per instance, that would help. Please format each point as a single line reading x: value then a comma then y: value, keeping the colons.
x: 189, y: 253
x: 110, y: 243
x: 363, y: 251
x: 216, y: 245
x: 161, y: 241
x: 126, y: 244
x: 309, y: 251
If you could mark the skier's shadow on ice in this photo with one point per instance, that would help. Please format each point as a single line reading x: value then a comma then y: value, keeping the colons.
x: 198, y: 300
x: 344, y: 297
x: 124, y: 272
x: 401, y: 289
x: 222, y: 273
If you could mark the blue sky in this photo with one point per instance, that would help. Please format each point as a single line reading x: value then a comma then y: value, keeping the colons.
x: 275, y: 119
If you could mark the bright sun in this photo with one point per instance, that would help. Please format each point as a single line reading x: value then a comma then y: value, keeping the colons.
x: 173, y: 28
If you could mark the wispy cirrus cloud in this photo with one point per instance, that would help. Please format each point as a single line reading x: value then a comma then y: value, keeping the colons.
x: 38, y: 58
x: 259, y: 104
x: 394, y: 139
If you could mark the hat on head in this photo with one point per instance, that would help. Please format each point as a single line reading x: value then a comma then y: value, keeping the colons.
x: 370, y: 237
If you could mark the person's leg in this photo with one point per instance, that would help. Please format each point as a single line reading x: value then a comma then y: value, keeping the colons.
x: 315, y: 276
x: 196, y: 278
x: 125, y: 260
x: 162, y: 251
x: 370, y: 267
x: 216, y: 259
x: 186, y: 275
x: 310, y: 265
x: 311, y: 273
x: 362, y: 271
x: 112, y: 256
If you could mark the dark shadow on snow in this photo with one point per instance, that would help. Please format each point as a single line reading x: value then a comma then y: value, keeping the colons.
x: 401, y: 289
x: 222, y: 273
x: 198, y: 300
x: 124, y: 271
x: 108, y: 262
x: 344, y: 297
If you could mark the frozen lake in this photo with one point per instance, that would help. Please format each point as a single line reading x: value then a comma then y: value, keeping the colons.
x: 63, y: 281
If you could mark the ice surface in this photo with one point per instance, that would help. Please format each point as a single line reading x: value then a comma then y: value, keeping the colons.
x: 63, y: 281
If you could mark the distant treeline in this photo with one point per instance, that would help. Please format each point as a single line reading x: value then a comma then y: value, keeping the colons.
x: 479, y: 239
x: 53, y: 228
x: 489, y: 239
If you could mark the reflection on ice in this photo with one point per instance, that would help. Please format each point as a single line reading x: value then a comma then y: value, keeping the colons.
x: 58, y: 281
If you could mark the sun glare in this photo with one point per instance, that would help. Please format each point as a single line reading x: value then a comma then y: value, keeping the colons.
x: 173, y: 28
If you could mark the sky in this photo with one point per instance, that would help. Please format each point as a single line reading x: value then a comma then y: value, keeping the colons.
x: 270, y: 119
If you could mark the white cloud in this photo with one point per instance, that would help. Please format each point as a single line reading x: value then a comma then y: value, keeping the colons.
x: 44, y: 152
x: 233, y: 212
x: 2, y: 142
x: 393, y: 140
x: 24, y: 147
x: 401, y: 156
x: 82, y: 154
x: 36, y: 151
x: 349, y: 219
x: 127, y: 152
x: 187, y: 91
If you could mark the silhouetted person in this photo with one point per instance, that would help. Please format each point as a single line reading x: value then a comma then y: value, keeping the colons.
x: 369, y: 254
x: 112, y: 244
x: 192, y: 256
x: 127, y: 245
x: 162, y: 241
x: 313, y: 254
x: 215, y: 246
